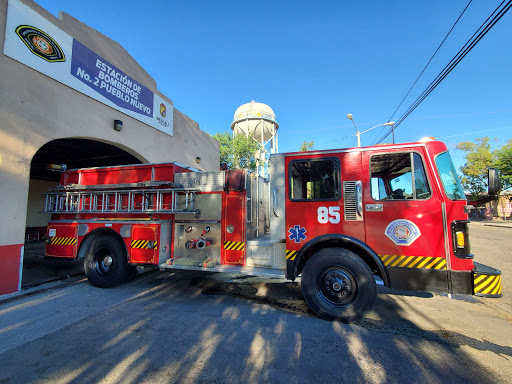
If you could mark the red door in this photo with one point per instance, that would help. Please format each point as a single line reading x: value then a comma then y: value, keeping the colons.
x: 233, y: 228
x: 403, y: 219
x: 315, y: 203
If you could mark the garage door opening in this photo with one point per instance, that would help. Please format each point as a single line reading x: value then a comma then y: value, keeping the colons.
x: 74, y: 153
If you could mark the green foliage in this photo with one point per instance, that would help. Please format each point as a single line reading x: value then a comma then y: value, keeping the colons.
x: 237, y: 152
x: 307, y: 146
x: 503, y: 163
x: 479, y: 158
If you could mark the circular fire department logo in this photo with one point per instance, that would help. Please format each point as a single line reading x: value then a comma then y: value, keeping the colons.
x: 402, y: 232
x: 40, y: 43
x: 163, y: 110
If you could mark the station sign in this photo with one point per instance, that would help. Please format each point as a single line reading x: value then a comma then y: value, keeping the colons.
x: 36, y: 42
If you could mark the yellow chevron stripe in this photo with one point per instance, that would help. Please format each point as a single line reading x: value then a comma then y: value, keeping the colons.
x: 139, y: 244
x: 492, y: 286
x: 442, y: 264
x: 497, y: 290
x: 63, y: 241
x: 234, y: 245
x: 390, y: 259
x: 407, y: 261
x: 432, y: 263
x: 398, y: 260
x: 483, y: 284
x: 425, y: 262
x: 385, y: 257
x: 416, y: 261
x: 479, y: 278
x: 291, y: 255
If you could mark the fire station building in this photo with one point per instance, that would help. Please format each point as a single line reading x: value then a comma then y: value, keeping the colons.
x: 70, y: 95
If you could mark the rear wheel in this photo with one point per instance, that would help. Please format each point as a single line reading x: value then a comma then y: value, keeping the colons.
x: 106, y: 263
x: 338, y: 285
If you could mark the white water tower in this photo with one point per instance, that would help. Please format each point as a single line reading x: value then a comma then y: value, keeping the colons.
x: 258, y: 121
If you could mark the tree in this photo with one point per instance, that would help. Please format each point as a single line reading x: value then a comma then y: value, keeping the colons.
x: 503, y: 163
x: 306, y: 146
x: 478, y: 160
x: 238, y: 151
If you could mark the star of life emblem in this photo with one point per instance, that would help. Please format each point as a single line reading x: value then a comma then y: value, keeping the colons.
x: 297, y: 233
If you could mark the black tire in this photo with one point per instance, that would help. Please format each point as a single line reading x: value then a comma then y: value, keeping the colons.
x: 338, y: 285
x: 106, y: 263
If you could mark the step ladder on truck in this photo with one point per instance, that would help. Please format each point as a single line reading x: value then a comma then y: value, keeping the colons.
x: 343, y: 220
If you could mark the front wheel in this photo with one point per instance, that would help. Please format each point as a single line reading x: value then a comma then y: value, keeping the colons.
x: 105, y: 263
x: 338, y: 285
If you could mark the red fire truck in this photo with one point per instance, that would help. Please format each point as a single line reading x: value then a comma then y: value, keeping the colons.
x: 344, y: 220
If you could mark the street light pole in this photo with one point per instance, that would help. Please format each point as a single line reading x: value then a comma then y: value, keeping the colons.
x: 358, y: 134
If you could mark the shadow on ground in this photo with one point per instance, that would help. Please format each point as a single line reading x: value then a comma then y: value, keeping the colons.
x: 185, y: 327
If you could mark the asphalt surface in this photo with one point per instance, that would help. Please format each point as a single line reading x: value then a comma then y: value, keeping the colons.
x: 191, y: 327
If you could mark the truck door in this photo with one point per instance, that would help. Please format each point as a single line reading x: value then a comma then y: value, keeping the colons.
x: 233, y: 232
x: 403, y: 219
x: 315, y: 198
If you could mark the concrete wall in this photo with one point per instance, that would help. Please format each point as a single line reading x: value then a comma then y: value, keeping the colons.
x: 35, y: 109
x: 36, y: 201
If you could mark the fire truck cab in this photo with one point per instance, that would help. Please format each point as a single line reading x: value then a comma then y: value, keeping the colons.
x: 343, y: 220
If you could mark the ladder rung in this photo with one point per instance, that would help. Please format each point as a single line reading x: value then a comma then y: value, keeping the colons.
x: 129, y: 201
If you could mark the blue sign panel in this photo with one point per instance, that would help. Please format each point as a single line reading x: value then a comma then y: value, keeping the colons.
x: 110, y: 82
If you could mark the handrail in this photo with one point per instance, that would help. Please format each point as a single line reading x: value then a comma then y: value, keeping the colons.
x: 275, y: 201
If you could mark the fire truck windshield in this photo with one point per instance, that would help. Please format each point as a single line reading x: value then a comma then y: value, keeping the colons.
x: 449, y: 178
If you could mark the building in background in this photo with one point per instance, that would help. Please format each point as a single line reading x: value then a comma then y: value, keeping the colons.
x: 70, y: 95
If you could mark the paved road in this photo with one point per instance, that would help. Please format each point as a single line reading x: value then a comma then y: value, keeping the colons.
x: 186, y: 327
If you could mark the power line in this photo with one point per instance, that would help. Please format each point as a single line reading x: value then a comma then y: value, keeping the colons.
x: 484, y: 28
x: 440, y: 45
x: 470, y: 44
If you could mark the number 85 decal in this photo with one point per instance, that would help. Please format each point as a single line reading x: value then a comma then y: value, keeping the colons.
x: 329, y: 215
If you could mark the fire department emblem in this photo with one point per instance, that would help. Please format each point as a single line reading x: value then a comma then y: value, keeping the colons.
x: 40, y: 43
x: 297, y: 233
x: 163, y: 110
x: 402, y: 232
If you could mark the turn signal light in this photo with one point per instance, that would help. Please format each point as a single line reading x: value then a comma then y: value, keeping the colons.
x: 460, y: 240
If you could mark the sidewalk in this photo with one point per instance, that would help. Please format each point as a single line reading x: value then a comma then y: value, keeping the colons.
x: 489, y: 223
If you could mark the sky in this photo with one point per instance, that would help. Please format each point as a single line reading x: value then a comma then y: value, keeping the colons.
x: 315, y: 62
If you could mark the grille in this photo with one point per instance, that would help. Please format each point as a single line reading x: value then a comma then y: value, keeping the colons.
x: 350, y: 200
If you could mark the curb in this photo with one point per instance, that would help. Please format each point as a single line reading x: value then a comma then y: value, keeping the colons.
x: 491, y: 224
x: 54, y: 285
x: 498, y: 225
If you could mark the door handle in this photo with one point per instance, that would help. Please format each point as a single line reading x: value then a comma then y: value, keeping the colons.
x: 374, y: 207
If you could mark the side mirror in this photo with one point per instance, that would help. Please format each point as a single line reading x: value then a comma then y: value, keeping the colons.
x: 493, y: 182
